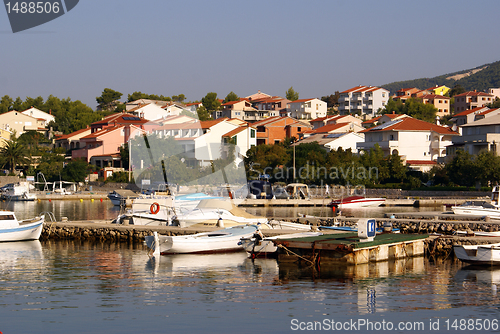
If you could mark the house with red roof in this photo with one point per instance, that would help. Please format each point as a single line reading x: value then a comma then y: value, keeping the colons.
x: 322, y: 121
x: 71, y: 141
x: 307, y: 108
x: 275, y: 129
x: 472, y: 99
x: 412, y: 139
x: 236, y: 109
x: 440, y: 102
x: 482, y: 134
x: 467, y: 116
x: 105, y: 142
x: 382, y: 119
x: 364, y: 101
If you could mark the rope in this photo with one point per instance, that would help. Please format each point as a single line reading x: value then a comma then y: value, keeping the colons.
x: 297, y: 255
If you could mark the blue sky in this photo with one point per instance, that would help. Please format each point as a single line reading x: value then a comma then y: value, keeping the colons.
x: 196, y: 46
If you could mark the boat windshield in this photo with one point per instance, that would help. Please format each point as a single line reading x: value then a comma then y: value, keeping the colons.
x: 7, y: 217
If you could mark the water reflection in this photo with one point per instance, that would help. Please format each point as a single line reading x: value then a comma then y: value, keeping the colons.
x: 92, y: 286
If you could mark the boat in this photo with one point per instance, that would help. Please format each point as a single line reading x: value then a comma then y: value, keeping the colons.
x: 259, y: 246
x: 378, y: 230
x: 214, y: 212
x: 478, y: 254
x: 19, y: 192
x: 481, y: 208
x: 13, y: 230
x: 161, y: 208
x: 479, y: 233
x: 121, y: 197
x: 225, y: 240
x: 357, y: 202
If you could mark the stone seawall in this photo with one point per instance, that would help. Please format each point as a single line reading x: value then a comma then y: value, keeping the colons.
x: 439, y: 244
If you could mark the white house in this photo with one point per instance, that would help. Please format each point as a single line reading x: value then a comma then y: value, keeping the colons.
x: 411, y: 138
x: 483, y: 134
x: 363, y: 100
x: 336, y: 140
x: 150, y: 111
x: 307, y: 108
x: 243, y: 138
x: 39, y: 114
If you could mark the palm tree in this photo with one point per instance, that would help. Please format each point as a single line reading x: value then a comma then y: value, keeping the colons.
x: 13, y: 154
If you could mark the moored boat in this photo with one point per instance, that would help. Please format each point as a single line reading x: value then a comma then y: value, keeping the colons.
x: 478, y: 254
x: 481, y: 208
x: 13, y: 230
x: 259, y: 246
x: 357, y: 202
x: 225, y: 240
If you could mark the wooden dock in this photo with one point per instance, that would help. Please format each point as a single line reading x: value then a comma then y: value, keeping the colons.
x: 346, y: 248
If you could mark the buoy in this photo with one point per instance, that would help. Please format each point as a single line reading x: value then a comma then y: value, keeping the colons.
x: 50, y: 200
x: 101, y: 199
x: 154, y: 208
x: 92, y: 200
x: 81, y: 200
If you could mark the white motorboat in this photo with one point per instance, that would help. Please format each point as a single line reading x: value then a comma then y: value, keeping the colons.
x: 226, y: 240
x: 481, y: 208
x: 214, y: 212
x: 160, y: 209
x: 259, y: 246
x: 357, y: 202
x: 478, y: 254
x: 13, y: 230
x: 19, y: 192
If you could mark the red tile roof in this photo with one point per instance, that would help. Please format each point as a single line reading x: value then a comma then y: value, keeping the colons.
x: 421, y: 162
x: 235, y: 131
x: 473, y: 93
x: 412, y: 124
x: 76, y: 133
x: 330, y: 127
x: 301, y: 100
x: 209, y: 124
x: 469, y: 111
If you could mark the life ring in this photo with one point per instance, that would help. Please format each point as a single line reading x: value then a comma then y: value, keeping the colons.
x: 154, y: 208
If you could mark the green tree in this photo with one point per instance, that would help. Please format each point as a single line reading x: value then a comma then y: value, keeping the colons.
x: 457, y: 89
x: 18, y: 104
x: 211, y: 102
x: 178, y: 98
x: 291, y: 94
x: 331, y: 100
x: 76, y: 171
x: 13, y: 154
x: 108, y: 99
x: 231, y: 97
x: 461, y: 169
x: 203, y: 114
x: 6, y: 104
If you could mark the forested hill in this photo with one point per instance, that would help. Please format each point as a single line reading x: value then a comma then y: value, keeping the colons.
x: 479, y: 78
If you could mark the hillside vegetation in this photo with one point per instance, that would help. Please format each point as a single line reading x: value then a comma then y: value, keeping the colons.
x: 479, y: 78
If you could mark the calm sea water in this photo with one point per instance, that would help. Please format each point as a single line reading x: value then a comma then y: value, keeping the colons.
x: 73, y: 287
x: 104, y: 210
x: 78, y: 287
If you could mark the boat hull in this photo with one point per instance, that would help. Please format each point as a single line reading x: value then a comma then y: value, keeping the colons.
x: 358, y: 202
x: 226, y: 240
x: 266, y: 246
x: 476, y: 211
x: 488, y: 255
x: 25, y: 231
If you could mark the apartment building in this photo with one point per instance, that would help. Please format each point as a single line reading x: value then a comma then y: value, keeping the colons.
x: 364, y: 101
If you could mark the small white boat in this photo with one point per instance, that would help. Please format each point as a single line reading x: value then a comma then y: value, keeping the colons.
x: 259, y: 246
x: 226, y: 240
x: 13, y: 230
x: 19, y: 192
x: 481, y: 208
x: 357, y: 202
x: 478, y: 254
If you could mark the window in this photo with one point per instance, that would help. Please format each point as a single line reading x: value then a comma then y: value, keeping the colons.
x: 299, y: 129
x: 252, y: 133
